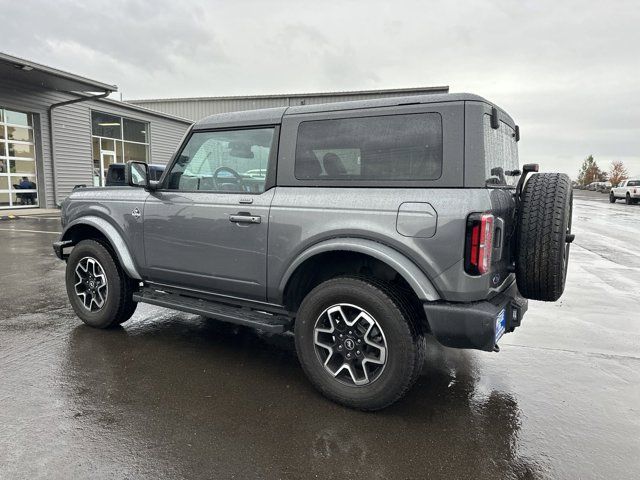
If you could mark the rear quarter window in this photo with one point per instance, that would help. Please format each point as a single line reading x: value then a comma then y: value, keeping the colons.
x: 382, y: 148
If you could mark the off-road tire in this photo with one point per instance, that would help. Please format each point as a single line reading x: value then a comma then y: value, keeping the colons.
x: 402, y: 327
x: 119, y: 305
x: 627, y: 199
x: 612, y: 198
x: 543, y: 227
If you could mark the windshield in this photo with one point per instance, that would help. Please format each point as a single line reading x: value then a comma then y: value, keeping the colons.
x: 500, y: 155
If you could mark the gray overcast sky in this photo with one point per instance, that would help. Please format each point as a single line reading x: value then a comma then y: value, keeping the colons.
x: 567, y: 71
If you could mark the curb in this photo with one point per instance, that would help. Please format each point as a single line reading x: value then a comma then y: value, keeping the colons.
x: 9, y: 217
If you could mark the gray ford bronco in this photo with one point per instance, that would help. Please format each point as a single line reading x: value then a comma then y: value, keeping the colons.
x: 360, y: 227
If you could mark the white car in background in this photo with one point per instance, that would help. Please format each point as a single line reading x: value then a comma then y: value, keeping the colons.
x: 256, y: 173
x: 628, y: 189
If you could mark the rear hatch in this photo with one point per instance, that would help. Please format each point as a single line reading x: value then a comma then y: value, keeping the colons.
x: 502, y: 171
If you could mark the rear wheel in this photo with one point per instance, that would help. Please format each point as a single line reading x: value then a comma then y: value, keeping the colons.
x: 544, y: 236
x: 627, y: 199
x: 100, y: 292
x: 358, y: 342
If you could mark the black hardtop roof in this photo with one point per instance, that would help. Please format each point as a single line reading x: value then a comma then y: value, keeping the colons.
x: 273, y: 116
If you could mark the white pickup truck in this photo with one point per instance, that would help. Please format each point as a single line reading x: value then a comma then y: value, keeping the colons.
x: 628, y: 189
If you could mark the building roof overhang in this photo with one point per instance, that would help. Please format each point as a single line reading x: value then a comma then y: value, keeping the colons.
x: 27, y: 72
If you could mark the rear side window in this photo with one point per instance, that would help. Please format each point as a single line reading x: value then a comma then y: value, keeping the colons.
x: 391, y: 147
x: 633, y: 183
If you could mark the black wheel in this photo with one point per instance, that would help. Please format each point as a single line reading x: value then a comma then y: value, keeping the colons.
x: 627, y: 199
x: 612, y: 198
x: 544, y: 236
x: 359, y: 343
x: 98, y: 289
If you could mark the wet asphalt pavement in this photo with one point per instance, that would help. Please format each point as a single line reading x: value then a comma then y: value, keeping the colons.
x: 172, y: 395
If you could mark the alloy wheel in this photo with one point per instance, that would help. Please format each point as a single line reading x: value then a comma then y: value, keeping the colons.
x: 91, y: 283
x: 350, y: 344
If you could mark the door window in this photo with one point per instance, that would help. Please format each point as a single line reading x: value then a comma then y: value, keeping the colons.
x: 227, y: 161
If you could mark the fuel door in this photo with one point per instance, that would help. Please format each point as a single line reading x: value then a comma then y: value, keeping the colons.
x: 416, y: 219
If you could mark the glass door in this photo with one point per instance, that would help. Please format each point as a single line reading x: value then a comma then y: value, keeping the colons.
x: 106, y: 159
x: 105, y: 152
x: 18, y: 177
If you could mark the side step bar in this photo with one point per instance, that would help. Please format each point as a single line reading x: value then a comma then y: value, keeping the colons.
x: 219, y: 311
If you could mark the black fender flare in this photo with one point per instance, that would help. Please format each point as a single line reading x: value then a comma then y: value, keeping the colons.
x: 415, y: 277
x: 113, y: 236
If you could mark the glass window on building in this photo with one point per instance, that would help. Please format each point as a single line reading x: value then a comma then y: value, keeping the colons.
x: 116, y: 140
x: 18, y: 173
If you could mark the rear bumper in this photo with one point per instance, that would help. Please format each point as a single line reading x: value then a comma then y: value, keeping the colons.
x: 473, y: 325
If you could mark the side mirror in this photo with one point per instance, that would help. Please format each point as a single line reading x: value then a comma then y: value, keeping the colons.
x: 137, y: 174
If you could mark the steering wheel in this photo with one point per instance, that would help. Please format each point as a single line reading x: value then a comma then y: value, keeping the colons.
x: 236, y: 175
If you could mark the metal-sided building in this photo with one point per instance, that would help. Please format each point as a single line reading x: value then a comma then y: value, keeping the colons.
x: 58, y: 130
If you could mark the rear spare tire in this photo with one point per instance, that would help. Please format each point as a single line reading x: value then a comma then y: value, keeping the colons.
x: 543, y: 236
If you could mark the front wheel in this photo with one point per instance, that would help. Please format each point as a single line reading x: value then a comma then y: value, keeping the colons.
x: 612, y: 198
x: 627, y: 199
x: 359, y: 342
x: 100, y: 292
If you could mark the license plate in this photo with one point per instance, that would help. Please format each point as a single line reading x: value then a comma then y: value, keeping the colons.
x: 501, y: 324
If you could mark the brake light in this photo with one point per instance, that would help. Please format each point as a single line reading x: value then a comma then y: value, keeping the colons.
x: 479, y: 243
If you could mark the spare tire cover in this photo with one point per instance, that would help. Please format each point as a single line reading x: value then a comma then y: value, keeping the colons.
x: 543, y: 236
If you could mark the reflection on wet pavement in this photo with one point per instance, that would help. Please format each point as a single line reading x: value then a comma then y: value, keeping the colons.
x: 171, y: 395
x: 240, y: 403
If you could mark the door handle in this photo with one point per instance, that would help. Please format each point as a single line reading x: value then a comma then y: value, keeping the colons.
x: 245, y: 218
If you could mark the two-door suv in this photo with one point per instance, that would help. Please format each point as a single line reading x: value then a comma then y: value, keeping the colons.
x: 360, y: 227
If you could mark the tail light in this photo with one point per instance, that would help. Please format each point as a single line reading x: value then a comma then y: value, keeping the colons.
x: 479, y: 243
